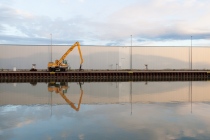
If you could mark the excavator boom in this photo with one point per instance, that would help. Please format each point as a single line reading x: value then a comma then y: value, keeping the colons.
x: 69, y: 50
x: 71, y: 103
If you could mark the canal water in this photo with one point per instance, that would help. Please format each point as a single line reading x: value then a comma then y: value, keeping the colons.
x: 105, y: 110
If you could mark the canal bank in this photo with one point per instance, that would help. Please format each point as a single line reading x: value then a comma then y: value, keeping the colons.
x: 106, y: 75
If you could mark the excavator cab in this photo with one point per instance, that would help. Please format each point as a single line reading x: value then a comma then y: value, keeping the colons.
x: 65, y: 62
x: 33, y: 67
x: 58, y: 87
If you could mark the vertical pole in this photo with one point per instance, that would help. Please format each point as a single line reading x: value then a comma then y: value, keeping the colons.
x: 131, y: 82
x: 189, y: 57
x: 51, y: 47
x: 131, y: 96
x: 131, y: 55
x: 190, y: 94
x: 51, y: 104
x: 191, y: 52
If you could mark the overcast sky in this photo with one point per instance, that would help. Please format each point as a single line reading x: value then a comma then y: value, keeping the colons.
x: 105, y: 22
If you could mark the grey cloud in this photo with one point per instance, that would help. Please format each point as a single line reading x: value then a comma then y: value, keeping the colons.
x: 141, y: 40
x: 172, y: 36
x: 115, y: 43
x: 34, y: 40
x: 6, y: 13
x: 2, y: 28
x: 37, y: 27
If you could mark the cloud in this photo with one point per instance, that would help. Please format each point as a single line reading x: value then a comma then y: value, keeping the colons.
x: 25, y: 28
x: 10, y: 39
x: 155, y: 20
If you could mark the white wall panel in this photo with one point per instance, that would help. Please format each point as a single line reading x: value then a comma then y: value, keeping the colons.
x: 105, y: 57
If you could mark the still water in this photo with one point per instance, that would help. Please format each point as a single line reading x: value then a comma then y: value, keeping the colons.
x: 105, y: 110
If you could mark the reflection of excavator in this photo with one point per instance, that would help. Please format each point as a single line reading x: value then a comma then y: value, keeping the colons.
x: 62, y: 89
x: 61, y: 65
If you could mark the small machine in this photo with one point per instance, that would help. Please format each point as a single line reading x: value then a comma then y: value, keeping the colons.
x: 33, y: 67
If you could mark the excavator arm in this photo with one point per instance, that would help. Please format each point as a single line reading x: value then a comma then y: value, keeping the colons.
x: 55, y: 87
x: 59, y: 62
x: 71, y: 103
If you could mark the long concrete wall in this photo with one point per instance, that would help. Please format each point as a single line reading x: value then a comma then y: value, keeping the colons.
x: 106, y: 57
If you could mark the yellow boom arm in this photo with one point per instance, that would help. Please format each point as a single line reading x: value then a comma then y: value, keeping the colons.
x: 71, y: 103
x: 68, y: 51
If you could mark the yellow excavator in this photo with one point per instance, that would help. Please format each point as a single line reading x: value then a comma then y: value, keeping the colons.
x: 61, y: 65
x: 61, y: 88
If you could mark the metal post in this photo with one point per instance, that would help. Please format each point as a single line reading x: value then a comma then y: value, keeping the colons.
x: 51, y: 104
x: 191, y: 94
x: 131, y: 96
x: 51, y: 47
x: 131, y: 55
x: 189, y: 57
x: 191, y: 52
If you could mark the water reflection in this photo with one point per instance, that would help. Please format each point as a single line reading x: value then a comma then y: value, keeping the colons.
x: 61, y: 88
x: 106, y: 110
x: 103, y: 92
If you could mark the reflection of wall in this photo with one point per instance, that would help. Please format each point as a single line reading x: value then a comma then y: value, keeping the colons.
x: 124, y: 92
x: 105, y: 57
x: 106, y: 93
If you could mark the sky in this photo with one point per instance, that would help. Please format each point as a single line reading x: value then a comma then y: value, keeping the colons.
x: 109, y: 23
